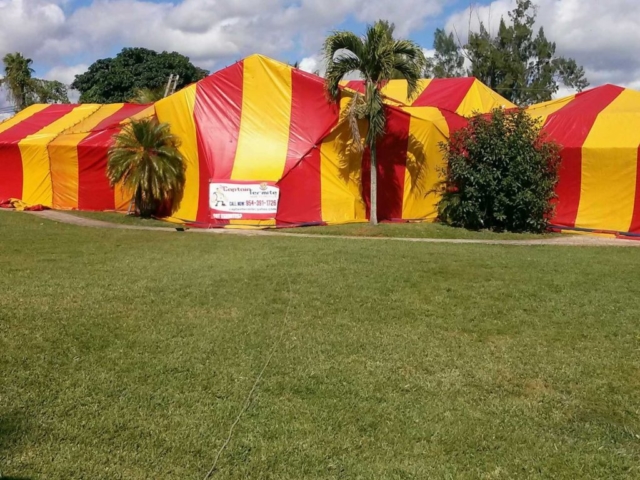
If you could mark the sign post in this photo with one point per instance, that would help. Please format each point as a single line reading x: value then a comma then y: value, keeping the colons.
x: 236, y: 200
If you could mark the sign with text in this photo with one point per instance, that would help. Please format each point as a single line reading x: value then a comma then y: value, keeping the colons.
x: 234, y: 200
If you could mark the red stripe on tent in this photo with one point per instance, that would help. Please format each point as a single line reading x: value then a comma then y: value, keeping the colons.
x: 635, y: 221
x: 204, y: 177
x: 570, y: 127
x: 300, y: 193
x: 392, y: 165
x: 454, y: 121
x: 312, y: 116
x: 11, y: 174
x: 447, y: 93
x: 217, y: 114
x: 356, y: 85
x: 94, y: 191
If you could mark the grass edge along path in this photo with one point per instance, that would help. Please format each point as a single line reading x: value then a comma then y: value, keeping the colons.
x: 555, y: 239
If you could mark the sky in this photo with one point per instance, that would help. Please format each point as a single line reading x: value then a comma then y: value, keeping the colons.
x: 63, y: 37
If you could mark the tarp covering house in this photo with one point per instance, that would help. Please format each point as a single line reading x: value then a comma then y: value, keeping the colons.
x: 599, y: 131
x: 465, y: 96
x: 56, y: 155
x: 264, y: 147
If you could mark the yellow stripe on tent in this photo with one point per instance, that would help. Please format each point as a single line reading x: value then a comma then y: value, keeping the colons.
x: 397, y: 90
x: 177, y: 110
x: 609, y: 179
x: 542, y: 111
x: 340, y: 175
x: 21, y: 116
x: 481, y: 99
x: 63, y: 154
x: 263, y: 141
x: 427, y: 129
x: 37, y: 188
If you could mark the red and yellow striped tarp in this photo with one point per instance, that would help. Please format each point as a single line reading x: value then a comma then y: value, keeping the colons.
x: 55, y: 155
x: 599, y: 131
x: 258, y: 121
x: 464, y: 96
x: 255, y: 120
x: 263, y: 121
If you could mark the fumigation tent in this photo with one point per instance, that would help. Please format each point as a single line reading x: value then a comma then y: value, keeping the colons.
x: 56, y: 155
x: 262, y: 131
x: 463, y: 96
x: 599, y: 132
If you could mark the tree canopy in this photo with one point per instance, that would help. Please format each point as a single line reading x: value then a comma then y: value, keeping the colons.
x: 517, y: 62
x: 119, y: 79
x: 448, y: 60
x: 24, y: 90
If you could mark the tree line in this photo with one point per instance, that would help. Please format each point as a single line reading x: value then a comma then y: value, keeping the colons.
x: 23, y: 89
x: 518, y: 62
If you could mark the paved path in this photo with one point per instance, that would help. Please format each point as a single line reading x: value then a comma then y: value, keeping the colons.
x: 562, y: 240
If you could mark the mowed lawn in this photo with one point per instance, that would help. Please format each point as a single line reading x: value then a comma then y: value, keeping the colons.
x: 128, y: 354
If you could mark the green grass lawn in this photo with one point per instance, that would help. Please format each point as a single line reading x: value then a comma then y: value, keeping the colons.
x: 413, y: 230
x: 128, y: 354
x: 115, y: 217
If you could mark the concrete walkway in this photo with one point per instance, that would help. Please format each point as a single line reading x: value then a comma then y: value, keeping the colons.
x: 562, y: 240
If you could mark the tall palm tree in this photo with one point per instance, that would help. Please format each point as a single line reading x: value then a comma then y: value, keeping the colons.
x: 145, y: 159
x: 17, y: 78
x: 378, y: 57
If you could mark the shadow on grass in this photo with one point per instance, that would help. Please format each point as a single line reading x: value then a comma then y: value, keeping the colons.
x: 11, y: 428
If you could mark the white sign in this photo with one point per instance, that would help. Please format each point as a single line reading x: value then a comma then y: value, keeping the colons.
x: 243, y: 200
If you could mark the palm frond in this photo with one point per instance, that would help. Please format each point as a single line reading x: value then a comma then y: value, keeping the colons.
x: 411, y: 72
x: 355, y: 111
x: 145, y: 159
x: 375, y: 113
x: 145, y: 96
x: 342, y: 41
x: 340, y: 67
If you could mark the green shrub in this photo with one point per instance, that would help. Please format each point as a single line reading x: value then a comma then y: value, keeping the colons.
x: 501, y: 174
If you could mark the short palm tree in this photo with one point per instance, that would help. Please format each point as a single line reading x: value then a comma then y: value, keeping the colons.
x: 146, y: 95
x: 378, y: 57
x: 146, y: 161
x: 17, y: 79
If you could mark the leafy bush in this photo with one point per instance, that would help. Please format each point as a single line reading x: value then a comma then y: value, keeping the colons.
x: 501, y: 174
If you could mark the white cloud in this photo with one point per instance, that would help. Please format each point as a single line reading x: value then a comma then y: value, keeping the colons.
x: 65, y: 74
x: 208, y: 31
x: 312, y: 64
x: 24, y: 24
x: 601, y: 35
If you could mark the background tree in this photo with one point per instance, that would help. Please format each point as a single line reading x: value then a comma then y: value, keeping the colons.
x: 145, y: 159
x: 23, y: 89
x: 448, y: 60
x: 501, y: 174
x: 17, y: 79
x: 47, y: 91
x: 378, y: 57
x: 114, y: 80
x: 518, y: 63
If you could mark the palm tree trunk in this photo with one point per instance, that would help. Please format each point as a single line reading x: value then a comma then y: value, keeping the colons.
x: 373, y: 195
